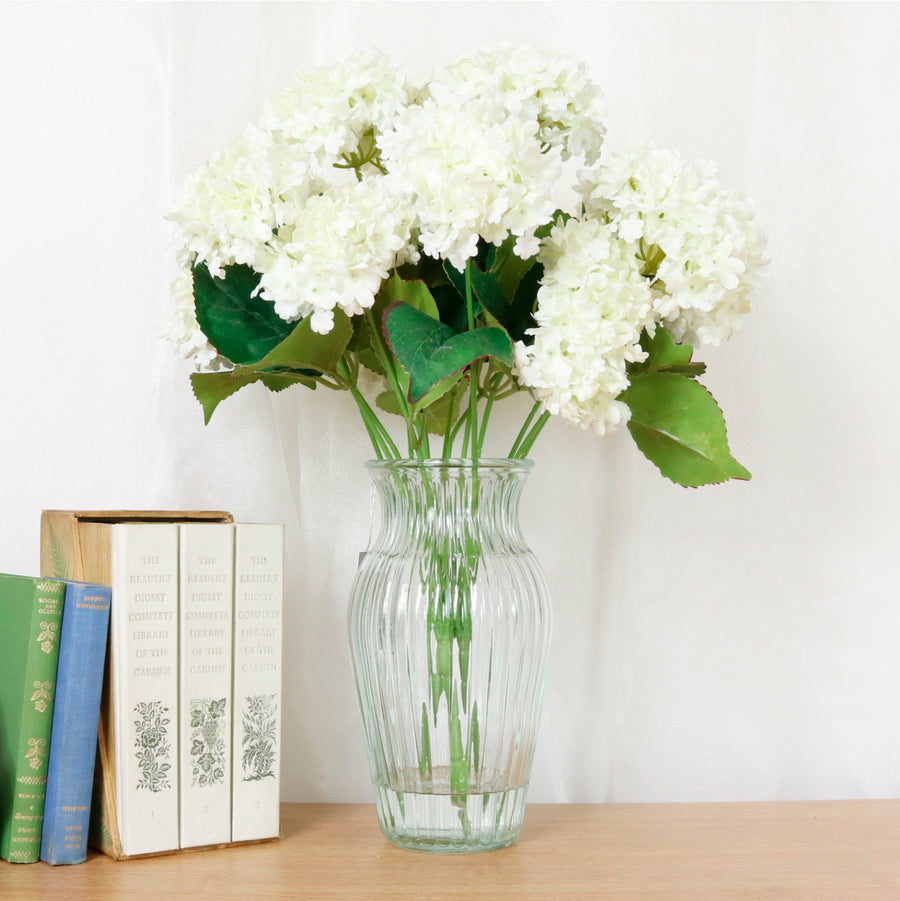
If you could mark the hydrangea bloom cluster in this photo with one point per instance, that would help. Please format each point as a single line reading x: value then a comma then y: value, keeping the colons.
x: 592, y: 307
x: 552, y: 92
x: 473, y: 176
x: 335, y: 252
x: 329, y: 110
x: 696, y: 241
x: 692, y: 246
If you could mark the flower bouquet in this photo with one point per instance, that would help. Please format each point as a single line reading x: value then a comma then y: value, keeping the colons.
x: 432, y: 247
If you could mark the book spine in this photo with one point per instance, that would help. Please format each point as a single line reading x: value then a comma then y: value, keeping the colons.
x: 144, y: 647
x: 258, y: 594
x: 76, y: 711
x: 205, y: 638
x: 21, y: 834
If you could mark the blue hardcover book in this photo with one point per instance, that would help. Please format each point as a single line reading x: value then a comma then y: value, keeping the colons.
x: 73, y: 739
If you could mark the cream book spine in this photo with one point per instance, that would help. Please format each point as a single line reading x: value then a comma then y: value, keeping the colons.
x: 206, y: 595
x: 144, y: 660
x: 258, y: 599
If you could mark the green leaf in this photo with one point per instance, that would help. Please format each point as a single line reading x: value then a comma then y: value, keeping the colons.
x: 211, y: 388
x: 509, y: 269
x: 413, y: 292
x: 458, y: 281
x: 241, y: 327
x: 430, y: 351
x: 367, y: 340
x: 679, y: 427
x: 664, y: 355
x: 298, y: 360
x: 451, y: 306
x: 514, y: 313
x: 305, y: 350
x: 457, y: 278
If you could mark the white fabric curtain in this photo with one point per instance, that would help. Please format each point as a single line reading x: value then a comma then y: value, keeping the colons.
x: 733, y: 642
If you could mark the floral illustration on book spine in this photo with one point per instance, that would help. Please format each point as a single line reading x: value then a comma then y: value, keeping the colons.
x: 36, y: 755
x: 42, y: 695
x: 208, y: 741
x: 260, y: 733
x: 48, y: 636
x: 152, y: 743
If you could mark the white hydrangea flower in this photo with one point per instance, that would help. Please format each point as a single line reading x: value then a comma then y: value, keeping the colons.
x: 327, y: 109
x: 550, y: 90
x: 336, y: 252
x: 592, y: 306
x: 713, y: 252
x: 225, y: 212
x: 182, y: 328
x: 470, y: 176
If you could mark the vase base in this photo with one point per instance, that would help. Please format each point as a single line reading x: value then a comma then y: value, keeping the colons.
x: 446, y: 823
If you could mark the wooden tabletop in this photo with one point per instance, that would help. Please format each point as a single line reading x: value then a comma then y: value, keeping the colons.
x: 846, y: 850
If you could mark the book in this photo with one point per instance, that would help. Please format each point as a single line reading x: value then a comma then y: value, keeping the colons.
x: 31, y: 616
x: 258, y: 599
x: 71, y: 548
x: 143, y: 576
x: 76, y: 713
x: 206, y: 580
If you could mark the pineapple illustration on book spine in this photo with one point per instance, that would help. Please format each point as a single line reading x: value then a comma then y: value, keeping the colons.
x: 259, y: 737
x: 258, y: 596
x: 206, y: 613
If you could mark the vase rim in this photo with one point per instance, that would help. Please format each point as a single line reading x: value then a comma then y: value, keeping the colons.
x: 491, y: 464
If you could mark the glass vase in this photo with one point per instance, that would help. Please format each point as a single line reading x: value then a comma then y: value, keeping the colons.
x: 449, y: 624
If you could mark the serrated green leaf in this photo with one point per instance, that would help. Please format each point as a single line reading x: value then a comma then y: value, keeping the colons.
x: 304, y: 350
x: 430, y: 351
x: 298, y: 360
x: 413, y: 292
x: 211, y: 388
x: 241, y: 327
x: 664, y: 355
x: 679, y: 427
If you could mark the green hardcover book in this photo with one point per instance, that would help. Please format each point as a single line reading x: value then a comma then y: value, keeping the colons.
x: 30, y: 618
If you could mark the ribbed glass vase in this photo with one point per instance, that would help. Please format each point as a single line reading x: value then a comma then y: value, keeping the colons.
x: 450, y: 630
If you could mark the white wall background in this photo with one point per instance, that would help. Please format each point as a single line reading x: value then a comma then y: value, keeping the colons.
x: 735, y: 642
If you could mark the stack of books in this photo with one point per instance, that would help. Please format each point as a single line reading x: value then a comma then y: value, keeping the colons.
x: 187, y: 728
x: 52, y: 653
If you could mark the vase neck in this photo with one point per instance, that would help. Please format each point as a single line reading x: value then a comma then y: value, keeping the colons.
x: 453, y: 503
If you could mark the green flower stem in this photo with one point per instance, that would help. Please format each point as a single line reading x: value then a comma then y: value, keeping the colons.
x: 423, y: 442
x: 452, y: 435
x: 524, y: 447
x: 450, y: 430
x: 513, y: 451
x: 381, y: 440
x: 492, y: 386
x: 475, y: 374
